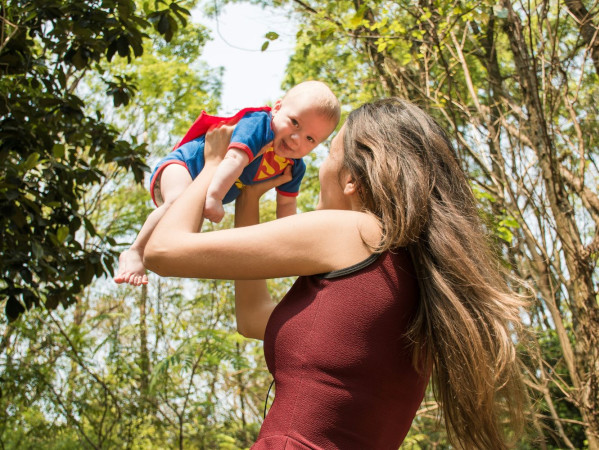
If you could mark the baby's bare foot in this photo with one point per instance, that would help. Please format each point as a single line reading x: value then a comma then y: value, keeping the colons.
x: 131, y: 269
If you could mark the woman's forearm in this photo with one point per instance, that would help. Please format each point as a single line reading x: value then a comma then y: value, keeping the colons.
x: 253, y: 303
x: 181, y: 220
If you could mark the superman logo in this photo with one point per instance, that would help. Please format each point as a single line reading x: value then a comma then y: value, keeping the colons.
x: 271, y: 165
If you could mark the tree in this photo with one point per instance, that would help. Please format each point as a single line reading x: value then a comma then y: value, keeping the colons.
x: 123, y: 369
x: 51, y: 147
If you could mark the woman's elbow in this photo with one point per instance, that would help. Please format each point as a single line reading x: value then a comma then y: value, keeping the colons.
x: 250, y: 333
x: 242, y: 330
x: 249, y: 329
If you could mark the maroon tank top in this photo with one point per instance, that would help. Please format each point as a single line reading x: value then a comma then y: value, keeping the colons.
x: 342, y: 365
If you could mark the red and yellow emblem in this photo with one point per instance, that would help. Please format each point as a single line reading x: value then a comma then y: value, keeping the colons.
x: 271, y: 165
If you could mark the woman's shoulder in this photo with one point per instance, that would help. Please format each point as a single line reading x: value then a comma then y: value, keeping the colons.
x: 339, y: 236
x: 345, y: 221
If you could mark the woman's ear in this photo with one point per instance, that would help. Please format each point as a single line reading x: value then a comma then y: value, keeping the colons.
x: 349, y: 185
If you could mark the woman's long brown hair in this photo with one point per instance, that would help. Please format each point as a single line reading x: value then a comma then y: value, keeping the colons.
x: 409, y: 177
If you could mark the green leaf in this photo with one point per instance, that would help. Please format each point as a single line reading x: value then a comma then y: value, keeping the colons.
x: 58, y: 150
x: 163, y: 25
x: 30, y: 162
x: 62, y: 79
x: 505, y: 234
x: 62, y: 233
x: 111, y: 50
x: 122, y: 45
x: 357, y: 19
x: 37, y: 250
x: 265, y: 45
x: 13, y: 309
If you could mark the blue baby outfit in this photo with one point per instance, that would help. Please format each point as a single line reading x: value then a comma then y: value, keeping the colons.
x: 251, y: 134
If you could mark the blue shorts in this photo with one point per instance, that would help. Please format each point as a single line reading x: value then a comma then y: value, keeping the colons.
x: 190, y: 156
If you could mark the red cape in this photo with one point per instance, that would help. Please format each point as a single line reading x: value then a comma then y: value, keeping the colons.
x: 205, y: 121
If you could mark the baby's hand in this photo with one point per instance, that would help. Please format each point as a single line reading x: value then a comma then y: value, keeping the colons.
x: 213, y: 210
x: 217, y: 141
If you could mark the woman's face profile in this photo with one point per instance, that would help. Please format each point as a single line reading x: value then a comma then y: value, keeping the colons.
x: 331, y: 190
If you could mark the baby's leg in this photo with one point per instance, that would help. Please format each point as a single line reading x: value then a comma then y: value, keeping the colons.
x: 174, y: 179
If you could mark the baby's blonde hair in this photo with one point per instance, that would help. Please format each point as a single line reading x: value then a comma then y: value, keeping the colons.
x: 325, y: 102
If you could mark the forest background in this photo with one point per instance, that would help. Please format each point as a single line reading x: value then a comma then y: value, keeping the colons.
x: 92, y: 92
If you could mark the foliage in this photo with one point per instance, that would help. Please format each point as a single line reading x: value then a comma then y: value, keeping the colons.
x: 77, y: 378
x: 124, y: 368
x: 52, y: 149
x: 90, y: 89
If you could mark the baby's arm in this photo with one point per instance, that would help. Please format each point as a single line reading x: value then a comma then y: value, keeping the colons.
x: 286, y: 205
x: 227, y: 172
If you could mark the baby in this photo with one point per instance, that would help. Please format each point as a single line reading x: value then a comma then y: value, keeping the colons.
x: 264, y: 142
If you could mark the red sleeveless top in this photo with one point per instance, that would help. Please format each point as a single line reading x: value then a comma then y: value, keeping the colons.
x: 342, y: 365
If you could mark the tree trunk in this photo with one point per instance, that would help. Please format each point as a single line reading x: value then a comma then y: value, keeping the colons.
x: 583, y: 303
x: 144, y: 382
x: 588, y: 30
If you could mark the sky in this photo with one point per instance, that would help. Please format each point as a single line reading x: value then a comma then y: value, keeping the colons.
x: 251, y: 77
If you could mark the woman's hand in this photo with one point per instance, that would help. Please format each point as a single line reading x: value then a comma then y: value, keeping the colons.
x: 217, y: 141
x: 259, y: 189
x: 246, y: 206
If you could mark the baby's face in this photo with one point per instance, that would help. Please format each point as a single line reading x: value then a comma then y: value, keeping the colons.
x: 298, y: 127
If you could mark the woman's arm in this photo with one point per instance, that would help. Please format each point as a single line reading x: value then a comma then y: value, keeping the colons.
x: 302, y: 244
x: 253, y: 303
x: 286, y: 205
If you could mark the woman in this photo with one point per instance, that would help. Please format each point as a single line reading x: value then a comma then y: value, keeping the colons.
x: 396, y: 284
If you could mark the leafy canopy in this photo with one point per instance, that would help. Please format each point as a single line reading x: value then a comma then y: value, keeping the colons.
x: 52, y: 147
